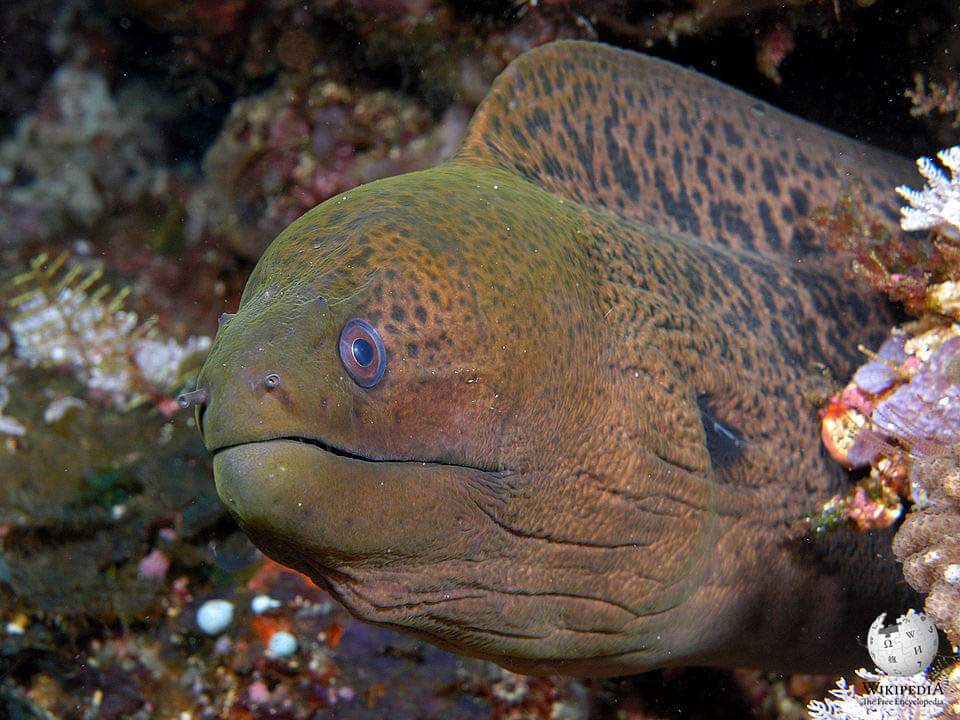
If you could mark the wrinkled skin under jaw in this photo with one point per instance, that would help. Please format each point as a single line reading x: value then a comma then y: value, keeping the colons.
x: 420, y: 547
x: 521, y: 631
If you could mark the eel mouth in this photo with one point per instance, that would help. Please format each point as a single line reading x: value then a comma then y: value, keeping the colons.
x: 358, y: 457
x: 315, y: 442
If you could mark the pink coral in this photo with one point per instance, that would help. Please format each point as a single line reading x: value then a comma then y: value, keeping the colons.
x: 154, y: 566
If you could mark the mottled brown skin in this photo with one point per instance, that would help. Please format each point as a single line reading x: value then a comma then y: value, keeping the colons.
x: 603, y: 273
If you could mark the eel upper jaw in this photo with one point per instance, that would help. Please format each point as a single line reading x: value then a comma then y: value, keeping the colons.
x: 350, y: 455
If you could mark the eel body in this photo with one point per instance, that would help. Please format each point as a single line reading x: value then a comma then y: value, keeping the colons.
x: 544, y: 403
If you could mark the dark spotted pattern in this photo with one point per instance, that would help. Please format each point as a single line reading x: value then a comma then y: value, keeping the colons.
x: 590, y: 451
x: 671, y: 148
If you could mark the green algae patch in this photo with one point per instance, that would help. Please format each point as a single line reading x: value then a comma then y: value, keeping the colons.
x: 85, y: 498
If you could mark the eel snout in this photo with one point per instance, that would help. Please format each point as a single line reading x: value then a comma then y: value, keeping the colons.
x: 199, y: 399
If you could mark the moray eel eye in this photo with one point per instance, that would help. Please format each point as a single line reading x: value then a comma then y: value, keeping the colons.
x: 362, y: 353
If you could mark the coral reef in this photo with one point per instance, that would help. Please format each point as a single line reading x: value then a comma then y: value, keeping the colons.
x: 339, y: 668
x: 933, y: 97
x: 933, y: 94
x: 82, y: 153
x: 8, y: 425
x: 894, y: 410
x: 914, y: 269
x: 308, y: 138
x: 673, y: 20
x: 900, y: 413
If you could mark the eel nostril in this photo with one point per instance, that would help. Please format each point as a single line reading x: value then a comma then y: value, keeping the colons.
x: 200, y: 396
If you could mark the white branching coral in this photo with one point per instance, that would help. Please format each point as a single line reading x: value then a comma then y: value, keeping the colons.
x: 914, y: 697
x: 70, y: 320
x: 937, y: 206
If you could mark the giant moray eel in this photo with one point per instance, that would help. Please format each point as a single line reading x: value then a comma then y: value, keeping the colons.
x: 543, y: 403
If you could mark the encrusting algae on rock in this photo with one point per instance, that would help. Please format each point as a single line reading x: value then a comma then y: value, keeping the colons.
x: 305, y: 140
x: 80, y: 157
x: 901, y: 401
x: 900, y: 413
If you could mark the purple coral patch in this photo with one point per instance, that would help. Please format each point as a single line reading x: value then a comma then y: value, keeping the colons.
x: 894, y: 349
x: 926, y: 409
x: 875, y: 377
x: 866, y: 448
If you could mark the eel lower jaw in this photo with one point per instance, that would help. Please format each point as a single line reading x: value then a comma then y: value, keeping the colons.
x: 302, y: 503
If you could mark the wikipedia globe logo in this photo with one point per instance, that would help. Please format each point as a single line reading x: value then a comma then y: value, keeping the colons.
x: 906, y: 647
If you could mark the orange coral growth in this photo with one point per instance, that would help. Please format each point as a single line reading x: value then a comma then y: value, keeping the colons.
x: 264, y: 578
x: 334, y: 634
x: 839, y: 430
x: 265, y: 626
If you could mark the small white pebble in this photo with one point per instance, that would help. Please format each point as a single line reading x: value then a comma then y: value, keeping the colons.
x: 952, y: 574
x: 82, y: 246
x: 215, y: 616
x: 59, y: 407
x: 283, y: 643
x: 261, y: 603
x: 12, y: 426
